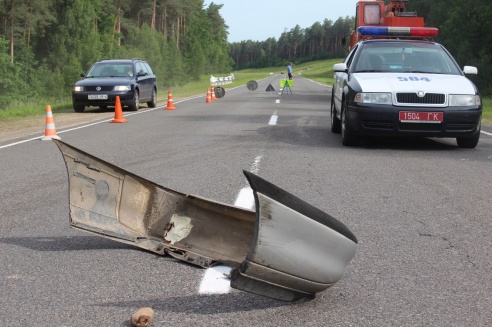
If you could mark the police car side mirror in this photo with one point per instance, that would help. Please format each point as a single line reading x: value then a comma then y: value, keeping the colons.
x: 470, y: 70
x: 340, y: 68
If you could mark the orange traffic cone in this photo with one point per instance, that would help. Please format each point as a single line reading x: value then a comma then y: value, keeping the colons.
x: 209, y: 97
x: 170, y: 104
x: 50, y: 130
x: 118, y: 112
x: 213, y: 93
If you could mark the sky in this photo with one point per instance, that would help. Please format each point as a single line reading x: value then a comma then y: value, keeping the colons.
x: 257, y: 20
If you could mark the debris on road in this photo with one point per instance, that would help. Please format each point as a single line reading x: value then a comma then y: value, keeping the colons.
x: 142, y: 317
x: 285, y: 249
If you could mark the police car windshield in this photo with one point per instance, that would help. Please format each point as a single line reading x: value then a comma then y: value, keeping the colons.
x: 414, y: 57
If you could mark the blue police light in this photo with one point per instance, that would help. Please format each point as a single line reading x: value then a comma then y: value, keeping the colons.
x: 398, y: 31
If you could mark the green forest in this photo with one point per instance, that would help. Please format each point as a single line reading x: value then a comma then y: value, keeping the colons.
x: 46, y: 44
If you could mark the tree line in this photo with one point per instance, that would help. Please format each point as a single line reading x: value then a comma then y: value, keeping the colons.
x: 320, y: 41
x: 46, y: 44
x: 464, y: 29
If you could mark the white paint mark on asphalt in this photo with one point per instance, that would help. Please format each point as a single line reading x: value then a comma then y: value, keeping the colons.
x: 273, y: 120
x: 216, y: 280
x: 277, y: 101
x: 255, y: 167
x: 245, y: 199
x: 486, y: 133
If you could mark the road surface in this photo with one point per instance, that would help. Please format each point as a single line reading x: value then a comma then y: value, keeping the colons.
x: 421, y: 210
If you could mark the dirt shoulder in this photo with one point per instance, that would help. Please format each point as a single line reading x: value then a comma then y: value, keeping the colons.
x: 14, y: 128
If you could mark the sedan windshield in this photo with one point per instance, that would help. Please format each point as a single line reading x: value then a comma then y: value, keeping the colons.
x: 110, y: 70
x: 405, y: 57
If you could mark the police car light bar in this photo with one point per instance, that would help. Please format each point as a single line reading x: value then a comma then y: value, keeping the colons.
x: 398, y: 31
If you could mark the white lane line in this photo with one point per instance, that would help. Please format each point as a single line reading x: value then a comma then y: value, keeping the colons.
x: 245, y: 199
x: 216, y: 279
x: 255, y: 167
x: 273, y: 120
x: 486, y: 133
x: 277, y: 101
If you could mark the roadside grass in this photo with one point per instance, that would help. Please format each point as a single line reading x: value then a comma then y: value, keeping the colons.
x: 34, y: 107
x: 487, y: 111
x: 320, y: 71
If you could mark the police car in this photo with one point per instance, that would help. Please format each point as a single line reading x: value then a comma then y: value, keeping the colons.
x: 404, y: 87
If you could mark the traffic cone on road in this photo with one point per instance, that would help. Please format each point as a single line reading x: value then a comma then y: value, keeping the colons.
x: 118, y: 112
x: 209, y: 97
x: 50, y: 130
x: 170, y: 104
x: 213, y: 93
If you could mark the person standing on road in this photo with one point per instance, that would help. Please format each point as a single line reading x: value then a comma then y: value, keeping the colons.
x: 289, y: 70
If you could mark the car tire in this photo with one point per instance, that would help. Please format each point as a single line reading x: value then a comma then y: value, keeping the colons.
x: 336, y: 126
x: 78, y: 108
x: 135, y: 103
x: 469, y: 142
x: 153, y: 102
x: 348, y: 136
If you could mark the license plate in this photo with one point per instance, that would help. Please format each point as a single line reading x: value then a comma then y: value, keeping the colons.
x: 98, y: 96
x: 421, y: 117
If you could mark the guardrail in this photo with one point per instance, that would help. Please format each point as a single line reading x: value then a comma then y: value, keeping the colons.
x: 221, y: 80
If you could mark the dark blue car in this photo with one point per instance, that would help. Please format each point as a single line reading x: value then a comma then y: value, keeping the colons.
x: 131, y: 79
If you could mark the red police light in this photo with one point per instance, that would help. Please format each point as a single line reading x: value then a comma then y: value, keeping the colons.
x: 398, y: 31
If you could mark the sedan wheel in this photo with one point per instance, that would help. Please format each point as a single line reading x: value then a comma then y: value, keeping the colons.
x: 335, y: 122
x: 153, y: 102
x: 135, y: 104
x: 348, y: 136
x: 78, y: 108
x: 469, y: 142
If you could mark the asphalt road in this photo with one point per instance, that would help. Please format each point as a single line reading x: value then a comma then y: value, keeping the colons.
x: 421, y: 210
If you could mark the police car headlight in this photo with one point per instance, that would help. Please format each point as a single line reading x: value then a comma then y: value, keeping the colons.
x: 375, y: 98
x: 464, y: 100
x: 122, y: 88
x: 78, y: 88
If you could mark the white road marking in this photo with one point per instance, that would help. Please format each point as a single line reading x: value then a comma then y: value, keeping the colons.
x: 277, y: 101
x: 255, y: 167
x: 245, y: 199
x: 486, y: 133
x: 216, y: 280
x: 273, y: 120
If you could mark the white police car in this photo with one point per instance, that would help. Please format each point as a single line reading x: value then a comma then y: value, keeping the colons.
x: 395, y: 87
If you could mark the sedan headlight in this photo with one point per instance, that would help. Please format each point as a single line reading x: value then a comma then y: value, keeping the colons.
x: 464, y: 100
x: 375, y: 98
x: 122, y: 88
x: 78, y: 89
